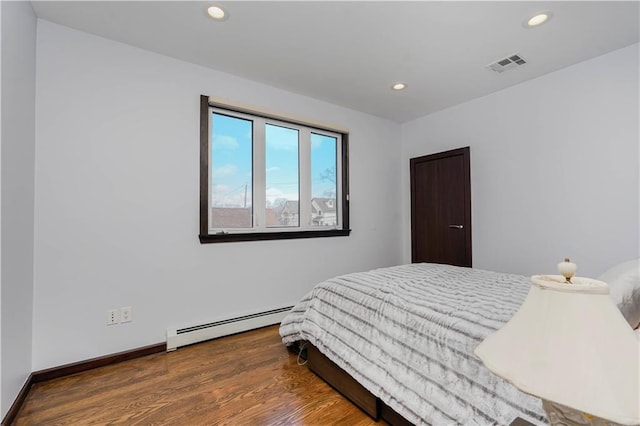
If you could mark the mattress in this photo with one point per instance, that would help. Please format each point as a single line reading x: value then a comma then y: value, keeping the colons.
x: 407, y: 334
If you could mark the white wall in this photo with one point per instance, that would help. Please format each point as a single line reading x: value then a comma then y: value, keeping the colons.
x: 17, y: 180
x: 117, y: 165
x: 117, y: 201
x: 554, y: 167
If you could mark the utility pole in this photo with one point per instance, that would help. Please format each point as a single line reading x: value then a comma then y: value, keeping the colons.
x: 245, y: 195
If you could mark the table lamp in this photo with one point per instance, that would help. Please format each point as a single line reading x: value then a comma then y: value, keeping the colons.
x: 570, y: 346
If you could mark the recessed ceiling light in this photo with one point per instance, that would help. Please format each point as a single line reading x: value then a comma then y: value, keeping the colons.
x: 537, y: 19
x: 399, y: 86
x: 218, y: 13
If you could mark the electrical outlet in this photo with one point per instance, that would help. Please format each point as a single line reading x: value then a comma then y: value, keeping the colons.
x: 125, y: 314
x: 113, y: 316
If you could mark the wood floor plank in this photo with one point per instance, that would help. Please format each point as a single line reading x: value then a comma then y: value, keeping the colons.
x: 245, y: 379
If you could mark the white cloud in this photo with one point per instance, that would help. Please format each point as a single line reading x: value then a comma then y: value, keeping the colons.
x: 281, y: 144
x: 316, y: 143
x: 224, y: 142
x: 272, y: 194
x: 281, y: 138
x: 273, y: 169
x: 224, y: 171
x: 219, y: 189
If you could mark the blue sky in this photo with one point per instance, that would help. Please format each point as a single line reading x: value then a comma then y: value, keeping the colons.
x: 232, y: 155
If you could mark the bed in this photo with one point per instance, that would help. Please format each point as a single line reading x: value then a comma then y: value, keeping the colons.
x: 399, y: 341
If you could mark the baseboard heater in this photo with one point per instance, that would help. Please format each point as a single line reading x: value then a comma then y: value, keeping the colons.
x: 199, y: 333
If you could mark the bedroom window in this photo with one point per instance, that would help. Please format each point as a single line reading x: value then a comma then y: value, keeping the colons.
x: 266, y: 176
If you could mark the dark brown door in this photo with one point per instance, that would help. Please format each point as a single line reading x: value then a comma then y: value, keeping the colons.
x: 441, y: 208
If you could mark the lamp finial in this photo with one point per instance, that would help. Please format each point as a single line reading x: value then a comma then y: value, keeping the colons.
x: 567, y: 269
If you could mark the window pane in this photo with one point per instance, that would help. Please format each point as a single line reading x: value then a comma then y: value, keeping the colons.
x: 282, y: 178
x: 231, y: 172
x: 323, y: 180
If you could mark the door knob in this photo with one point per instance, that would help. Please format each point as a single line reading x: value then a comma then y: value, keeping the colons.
x: 456, y: 226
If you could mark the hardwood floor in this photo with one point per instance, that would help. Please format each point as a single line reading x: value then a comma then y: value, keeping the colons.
x: 245, y: 379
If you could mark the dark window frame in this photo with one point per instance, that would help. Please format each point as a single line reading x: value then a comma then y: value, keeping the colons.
x: 206, y: 238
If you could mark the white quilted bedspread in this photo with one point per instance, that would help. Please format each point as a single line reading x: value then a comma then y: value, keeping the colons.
x: 407, y: 334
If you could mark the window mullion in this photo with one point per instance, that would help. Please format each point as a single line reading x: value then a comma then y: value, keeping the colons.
x: 209, y: 174
x: 338, y: 175
x: 259, y: 174
x: 305, y: 177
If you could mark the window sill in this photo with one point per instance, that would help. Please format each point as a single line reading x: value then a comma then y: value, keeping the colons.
x: 260, y: 236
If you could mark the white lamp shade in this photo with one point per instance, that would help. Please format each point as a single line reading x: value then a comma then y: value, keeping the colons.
x: 570, y: 344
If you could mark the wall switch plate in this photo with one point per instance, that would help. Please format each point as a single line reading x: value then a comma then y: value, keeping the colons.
x: 125, y: 314
x: 113, y: 316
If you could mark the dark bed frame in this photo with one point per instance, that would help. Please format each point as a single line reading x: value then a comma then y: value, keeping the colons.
x: 349, y: 387
x: 341, y: 381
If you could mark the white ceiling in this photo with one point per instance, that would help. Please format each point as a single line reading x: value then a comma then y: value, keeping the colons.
x: 350, y: 53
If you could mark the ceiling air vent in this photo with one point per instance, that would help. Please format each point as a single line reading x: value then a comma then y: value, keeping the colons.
x: 507, y: 63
